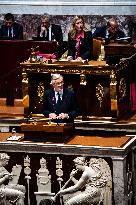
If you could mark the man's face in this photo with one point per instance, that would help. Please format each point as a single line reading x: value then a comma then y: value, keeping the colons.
x: 9, y: 22
x: 45, y: 23
x: 58, y: 85
x: 113, y: 27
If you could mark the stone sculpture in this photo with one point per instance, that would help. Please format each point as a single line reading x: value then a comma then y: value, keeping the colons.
x: 43, y: 183
x: 43, y: 177
x: 92, y: 186
x: 13, y: 193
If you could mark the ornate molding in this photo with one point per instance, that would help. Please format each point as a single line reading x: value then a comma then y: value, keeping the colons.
x: 68, y: 3
x: 122, y: 88
x: 100, y: 93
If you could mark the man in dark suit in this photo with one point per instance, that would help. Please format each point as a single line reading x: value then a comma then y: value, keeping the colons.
x: 51, y: 32
x: 59, y: 102
x: 48, y: 31
x: 111, y: 31
x: 10, y: 29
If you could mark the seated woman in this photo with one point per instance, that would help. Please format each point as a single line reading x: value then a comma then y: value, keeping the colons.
x: 11, y: 193
x: 80, y: 42
x: 91, y: 185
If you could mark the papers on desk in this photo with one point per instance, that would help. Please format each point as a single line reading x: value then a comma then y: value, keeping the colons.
x: 72, y: 62
x: 94, y: 121
x: 14, y: 138
x: 126, y: 39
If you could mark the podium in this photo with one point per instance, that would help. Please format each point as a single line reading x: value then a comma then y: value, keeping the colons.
x: 47, y: 132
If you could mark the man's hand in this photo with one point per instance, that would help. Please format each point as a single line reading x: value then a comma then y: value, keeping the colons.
x: 53, y: 116
x: 43, y: 29
x: 79, y: 59
x: 63, y: 116
x: 69, y: 58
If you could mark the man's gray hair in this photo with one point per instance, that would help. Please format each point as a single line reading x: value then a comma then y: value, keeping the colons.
x: 54, y: 77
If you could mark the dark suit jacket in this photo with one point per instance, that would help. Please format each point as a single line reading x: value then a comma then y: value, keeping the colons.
x: 56, y: 33
x: 68, y: 106
x: 86, y: 46
x: 17, y: 31
x: 101, y: 32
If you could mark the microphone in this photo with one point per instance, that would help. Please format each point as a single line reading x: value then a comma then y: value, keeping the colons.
x: 29, y: 118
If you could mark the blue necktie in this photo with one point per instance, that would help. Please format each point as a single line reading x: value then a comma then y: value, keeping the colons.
x: 10, y: 33
x: 59, y: 102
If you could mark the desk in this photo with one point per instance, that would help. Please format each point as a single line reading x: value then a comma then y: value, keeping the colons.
x: 119, y: 51
x: 116, y: 150
x: 101, y: 90
x: 50, y: 132
x: 12, y: 53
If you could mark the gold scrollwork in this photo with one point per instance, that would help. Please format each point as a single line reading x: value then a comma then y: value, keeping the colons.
x: 40, y: 91
x: 99, y: 93
x: 83, y: 80
x: 25, y: 77
x: 122, y: 88
x: 24, y: 84
x: 113, y: 78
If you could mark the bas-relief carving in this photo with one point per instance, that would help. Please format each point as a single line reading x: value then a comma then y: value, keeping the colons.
x: 97, y: 181
x: 13, y: 192
x: 43, y: 182
x: 43, y: 177
x: 27, y: 172
x: 120, y: 184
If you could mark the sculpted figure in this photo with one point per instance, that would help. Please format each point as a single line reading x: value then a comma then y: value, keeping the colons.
x: 43, y: 177
x: 90, y: 184
x: 11, y: 193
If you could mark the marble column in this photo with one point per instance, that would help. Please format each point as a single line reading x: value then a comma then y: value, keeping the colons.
x: 120, y: 181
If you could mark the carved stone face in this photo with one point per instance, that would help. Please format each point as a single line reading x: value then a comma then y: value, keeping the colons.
x: 4, y: 159
x: 79, y: 160
x: 79, y: 166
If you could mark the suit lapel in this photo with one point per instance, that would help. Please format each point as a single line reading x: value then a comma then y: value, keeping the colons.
x: 52, y: 99
x: 64, y: 97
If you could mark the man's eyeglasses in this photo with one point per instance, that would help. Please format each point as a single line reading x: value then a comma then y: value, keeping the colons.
x: 59, y: 83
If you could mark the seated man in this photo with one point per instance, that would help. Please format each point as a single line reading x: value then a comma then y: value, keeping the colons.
x: 48, y: 31
x: 59, y: 103
x: 51, y: 32
x: 111, y: 31
x: 10, y: 29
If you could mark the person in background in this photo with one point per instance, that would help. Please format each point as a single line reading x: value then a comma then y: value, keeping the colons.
x: 80, y: 42
x: 51, y: 32
x: 111, y: 31
x: 59, y: 103
x: 48, y: 31
x: 10, y: 29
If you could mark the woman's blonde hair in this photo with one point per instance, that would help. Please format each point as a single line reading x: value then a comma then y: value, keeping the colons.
x: 72, y: 31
